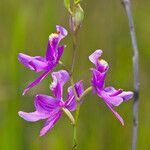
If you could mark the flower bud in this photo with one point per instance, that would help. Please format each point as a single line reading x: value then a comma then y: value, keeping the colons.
x: 77, y: 18
x: 78, y: 15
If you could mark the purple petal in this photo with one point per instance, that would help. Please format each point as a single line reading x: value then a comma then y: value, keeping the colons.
x: 37, y: 63
x: 110, y: 89
x: 72, y: 23
x: 59, y: 79
x: 51, y: 53
x: 116, y: 114
x: 45, y: 104
x: 126, y: 95
x: 98, y: 79
x: 35, y: 82
x: 62, y: 31
x: 79, y: 88
x: 32, y: 116
x: 95, y: 56
x: 102, y: 66
x: 70, y: 103
x: 25, y: 59
x: 116, y: 100
x: 50, y: 123
x: 60, y: 51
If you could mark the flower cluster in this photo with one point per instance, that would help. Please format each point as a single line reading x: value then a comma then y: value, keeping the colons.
x: 51, y: 108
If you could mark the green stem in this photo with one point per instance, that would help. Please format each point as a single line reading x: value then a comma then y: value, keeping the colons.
x: 74, y: 50
x: 68, y: 113
x: 77, y: 116
x: 86, y: 92
x: 75, y: 126
x: 78, y: 107
x: 64, y: 67
x: 74, y: 136
x: 74, y: 38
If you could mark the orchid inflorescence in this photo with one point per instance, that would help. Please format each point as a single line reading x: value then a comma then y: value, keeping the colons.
x: 52, y: 107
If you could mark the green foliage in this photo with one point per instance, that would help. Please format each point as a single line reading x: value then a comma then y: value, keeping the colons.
x: 77, y: 1
x: 67, y: 4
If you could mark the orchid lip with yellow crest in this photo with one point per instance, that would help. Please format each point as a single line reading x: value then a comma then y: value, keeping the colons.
x: 103, y: 65
x: 103, y: 62
x: 53, y: 35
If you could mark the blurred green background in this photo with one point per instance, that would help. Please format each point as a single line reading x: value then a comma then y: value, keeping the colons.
x: 25, y: 27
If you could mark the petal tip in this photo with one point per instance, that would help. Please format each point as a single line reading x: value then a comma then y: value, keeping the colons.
x: 122, y: 123
x: 62, y: 30
x: 24, y: 92
x: 20, y: 113
x: 41, y: 134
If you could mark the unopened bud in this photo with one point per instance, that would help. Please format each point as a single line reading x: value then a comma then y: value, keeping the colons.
x: 78, y: 15
x: 77, y: 18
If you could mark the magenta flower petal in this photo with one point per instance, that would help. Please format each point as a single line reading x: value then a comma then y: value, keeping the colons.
x: 59, y: 79
x: 46, y: 108
x: 116, y: 114
x: 113, y: 93
x: 50, y: 123
x: 126, y: 95
x: 45, y: 104
x: 116, y: 100
x: 79, y: 88
x: 101, y: 65
x: 25, y: 59
x: 60, y: 51
x: 35, y: 82
x: 95, y: 56
x: 51, y: 53
x: 32, y: 116
x: 37, y: 63
x: 62, y: 31
x: 71, y: 103
x: 54, y: 39
x: 72, y: 24
x: 98, y: 79
x: 110, y: 89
